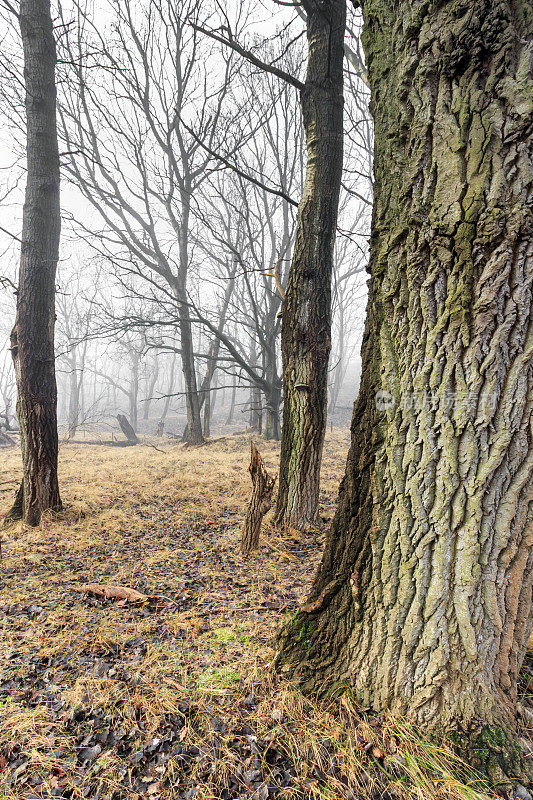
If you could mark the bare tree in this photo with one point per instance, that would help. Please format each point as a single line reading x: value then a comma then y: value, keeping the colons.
x: 143, y: 176
x: 306, y: 327
x: 75, y: 310
x: 32, y: 338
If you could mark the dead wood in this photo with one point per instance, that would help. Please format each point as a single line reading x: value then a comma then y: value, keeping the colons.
x: 260, y: 502
x: 108, y: 591
x: 127, y: 429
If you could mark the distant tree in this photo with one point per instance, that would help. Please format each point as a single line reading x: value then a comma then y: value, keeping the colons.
x: 32, y: 338
x: 422, y: 601
x: 349, y: 283
x: 7, y: 395
x: 75, y: 320
x: 132, y: 154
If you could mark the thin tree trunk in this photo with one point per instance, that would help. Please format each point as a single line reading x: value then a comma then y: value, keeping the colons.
x: 306, y: 322
x: 214, y: 393
x: 151, y: 388
x: 338, y: 374
x: 134, y: 390
x: 74, y: 396
x: 170, y: 389
x: 258, y: 409
x: 229, y: 420
x: 32, y: 338
x: 272, y: 403
x: 422, y: 602
x: 193, y: 431
x: 207, y: 414
x: 271, y: 428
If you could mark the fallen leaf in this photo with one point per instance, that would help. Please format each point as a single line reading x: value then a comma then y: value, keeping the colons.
x: 115, y: 592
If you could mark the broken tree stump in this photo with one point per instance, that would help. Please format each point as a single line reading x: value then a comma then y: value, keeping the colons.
x: 260, y: 502
x: 127, y: 429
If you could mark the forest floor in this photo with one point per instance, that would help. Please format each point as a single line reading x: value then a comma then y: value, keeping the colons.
x: 173, y: 697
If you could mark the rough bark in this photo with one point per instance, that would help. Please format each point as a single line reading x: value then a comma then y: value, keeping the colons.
x: 306, y: 322
x: 422, y: 601
x: 32, y: 338
x: 260, y: 502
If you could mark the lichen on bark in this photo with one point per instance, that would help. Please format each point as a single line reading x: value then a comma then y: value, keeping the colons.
x: 429, y: 559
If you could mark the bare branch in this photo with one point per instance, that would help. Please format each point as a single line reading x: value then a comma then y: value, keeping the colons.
x: 280, y: 73
x: 246, y: 176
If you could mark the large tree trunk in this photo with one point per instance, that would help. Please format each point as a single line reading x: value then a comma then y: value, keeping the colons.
x: 32, y: 338
x: 306, y: 322
x: 422, y: 602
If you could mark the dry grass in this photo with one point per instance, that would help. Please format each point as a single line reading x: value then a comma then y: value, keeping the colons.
x: 174, y: 698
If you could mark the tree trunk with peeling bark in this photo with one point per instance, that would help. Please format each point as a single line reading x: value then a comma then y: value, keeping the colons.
x: 422, y: 601
x: 260, y: 502
x: 306, y: 321
x: 32, y: 338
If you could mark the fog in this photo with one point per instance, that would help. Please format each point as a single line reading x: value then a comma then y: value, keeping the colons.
x: 182, y: 168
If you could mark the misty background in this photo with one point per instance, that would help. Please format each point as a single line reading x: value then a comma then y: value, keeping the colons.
x: 182, y: 165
